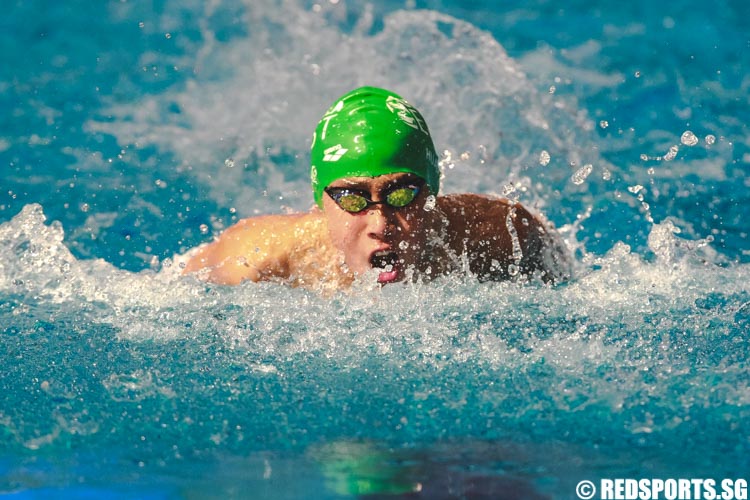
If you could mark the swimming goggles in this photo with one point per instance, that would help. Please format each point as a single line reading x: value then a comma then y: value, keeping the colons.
x: 354, y: 201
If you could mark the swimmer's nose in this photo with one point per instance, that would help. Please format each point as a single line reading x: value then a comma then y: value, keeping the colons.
x: 378, y: 221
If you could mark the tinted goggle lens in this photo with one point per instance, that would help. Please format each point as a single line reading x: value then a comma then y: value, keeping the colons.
x: 351, y: 202
x: 402, y: 196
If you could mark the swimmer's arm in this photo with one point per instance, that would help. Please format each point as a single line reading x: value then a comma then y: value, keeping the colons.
x: 254, y: 249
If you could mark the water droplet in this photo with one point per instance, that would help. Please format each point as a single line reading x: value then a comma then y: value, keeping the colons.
x: 644, y: 157
x: 465, y: 156
x: 637, y: 74
x: 552, y: 89
x: 204, y: 229
x: 606, y: 174
x: 544, y: 158
x: 403, y: 245
x: 513, y: 269
x: 604, y: 124
x: 710, y: 139
x: 482, y: 153
x: 508, y: 189
x: 672, y: 153
x: 229, y: 162
x: 580, y: 175
x: 688, y: 138
x: 516, y: 243
x: 447, y: 160
x: 429, y: 203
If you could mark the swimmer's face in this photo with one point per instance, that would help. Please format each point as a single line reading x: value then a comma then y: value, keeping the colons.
x: 388, y: 239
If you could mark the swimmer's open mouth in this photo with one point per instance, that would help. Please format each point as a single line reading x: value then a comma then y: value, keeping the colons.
x: 381, y: 260
x: 388, y: 262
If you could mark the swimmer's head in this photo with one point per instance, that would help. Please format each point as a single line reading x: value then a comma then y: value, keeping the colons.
x: 371, y: 132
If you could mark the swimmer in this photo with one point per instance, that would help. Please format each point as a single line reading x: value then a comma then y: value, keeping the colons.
x: 378, y: 216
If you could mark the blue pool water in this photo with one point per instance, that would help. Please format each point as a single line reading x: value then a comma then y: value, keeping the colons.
x: 134, y: 130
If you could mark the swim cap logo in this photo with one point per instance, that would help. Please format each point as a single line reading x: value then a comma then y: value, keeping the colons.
x: 332, y: 112
x: 407, y: 113
x: 334, y: 153
x: 431, y: 157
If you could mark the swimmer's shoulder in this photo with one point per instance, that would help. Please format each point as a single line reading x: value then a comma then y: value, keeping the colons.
x: 498, y: 234
x: 471, y: 204
x: 479, y: 216
x: 257, y: 248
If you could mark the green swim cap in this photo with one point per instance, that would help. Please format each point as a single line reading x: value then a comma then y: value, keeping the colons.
x: 370, y: 132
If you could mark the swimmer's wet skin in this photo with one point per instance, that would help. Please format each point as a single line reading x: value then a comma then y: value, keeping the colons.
x: 375, y: 181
